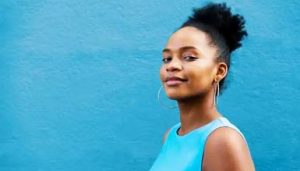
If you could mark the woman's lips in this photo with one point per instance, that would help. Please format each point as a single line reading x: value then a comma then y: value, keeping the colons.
x: 173, y: 81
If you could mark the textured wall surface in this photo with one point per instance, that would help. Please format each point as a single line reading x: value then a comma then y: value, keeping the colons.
x: 79, y: 81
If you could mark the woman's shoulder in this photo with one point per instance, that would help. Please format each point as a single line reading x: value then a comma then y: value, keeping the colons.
x: 166, y: 134
x: 226, y: 135
x: 227, y: 146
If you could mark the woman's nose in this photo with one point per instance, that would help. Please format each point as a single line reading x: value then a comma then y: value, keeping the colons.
x: 174, y: 65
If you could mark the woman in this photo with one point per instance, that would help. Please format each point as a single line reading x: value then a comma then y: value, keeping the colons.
x: 196, y: 60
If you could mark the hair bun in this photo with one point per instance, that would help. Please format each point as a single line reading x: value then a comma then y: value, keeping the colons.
x: 219, y: 17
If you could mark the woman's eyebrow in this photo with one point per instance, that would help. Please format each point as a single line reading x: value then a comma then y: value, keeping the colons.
x: 181, y: 49
x: 187, y: 48
x: 166, y: 50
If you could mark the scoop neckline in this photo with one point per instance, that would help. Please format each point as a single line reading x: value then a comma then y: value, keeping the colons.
x: 196, y: 129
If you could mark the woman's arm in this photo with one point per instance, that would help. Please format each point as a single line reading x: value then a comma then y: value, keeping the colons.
x: 166, y: 135
x: 226, y: 150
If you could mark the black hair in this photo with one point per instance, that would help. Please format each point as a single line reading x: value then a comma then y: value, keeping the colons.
x: 225, y: 29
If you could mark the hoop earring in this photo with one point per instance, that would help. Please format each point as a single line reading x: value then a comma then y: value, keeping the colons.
x: 158, y: 99
x: 216, y: 94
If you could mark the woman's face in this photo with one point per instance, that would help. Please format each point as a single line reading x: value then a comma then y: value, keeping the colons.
x: 189, y: 64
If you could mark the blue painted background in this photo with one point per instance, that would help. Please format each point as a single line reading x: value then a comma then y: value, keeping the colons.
x: 79, y: 81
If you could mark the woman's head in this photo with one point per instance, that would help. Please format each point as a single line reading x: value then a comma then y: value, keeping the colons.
x: 197, y: 55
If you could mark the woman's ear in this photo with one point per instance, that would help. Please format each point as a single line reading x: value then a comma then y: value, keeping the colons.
x: 222, y: 70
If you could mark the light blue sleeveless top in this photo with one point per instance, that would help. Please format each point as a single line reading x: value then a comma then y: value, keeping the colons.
x: 185, y: 152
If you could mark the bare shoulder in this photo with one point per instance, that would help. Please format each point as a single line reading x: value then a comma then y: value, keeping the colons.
x: 166, y: 135
x: 226, y: 149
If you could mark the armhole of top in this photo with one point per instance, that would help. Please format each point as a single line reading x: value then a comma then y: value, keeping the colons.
x: 222, y: 126
x: 170, y: 130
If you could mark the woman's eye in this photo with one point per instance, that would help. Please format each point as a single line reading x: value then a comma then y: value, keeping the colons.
x: 166, y: 60
x: 190, y: 58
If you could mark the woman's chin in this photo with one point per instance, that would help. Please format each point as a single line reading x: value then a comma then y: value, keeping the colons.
x: 174, y: 96
x: 176, y: 93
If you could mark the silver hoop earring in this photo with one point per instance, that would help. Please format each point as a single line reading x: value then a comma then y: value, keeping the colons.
x: 216, y: 94
x: 158, y: 99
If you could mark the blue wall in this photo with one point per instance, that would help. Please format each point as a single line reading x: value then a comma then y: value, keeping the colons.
x: 79, y: 82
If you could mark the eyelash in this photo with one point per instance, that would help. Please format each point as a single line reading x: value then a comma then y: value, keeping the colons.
x: 166, y: 60
x: 188, y: 58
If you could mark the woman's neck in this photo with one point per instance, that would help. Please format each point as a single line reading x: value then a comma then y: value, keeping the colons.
x: 196, y: 112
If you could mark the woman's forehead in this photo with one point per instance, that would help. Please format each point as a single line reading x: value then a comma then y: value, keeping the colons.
x: 190, y: 37
x: 187, y: 36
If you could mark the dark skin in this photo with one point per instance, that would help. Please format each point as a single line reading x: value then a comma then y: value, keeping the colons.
x: 190, y: 56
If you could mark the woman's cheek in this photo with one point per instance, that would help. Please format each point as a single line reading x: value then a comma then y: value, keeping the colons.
x: 161, y: 73
x: 197, y: 77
